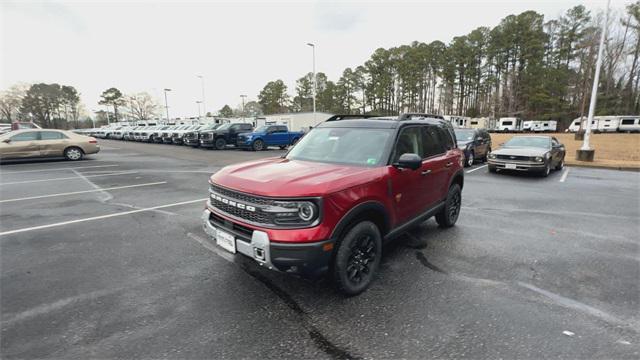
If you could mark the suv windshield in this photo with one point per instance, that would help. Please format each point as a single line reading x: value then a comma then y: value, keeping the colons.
x: 354, y: 146
x: 464, y: 135
x: 528, y: 141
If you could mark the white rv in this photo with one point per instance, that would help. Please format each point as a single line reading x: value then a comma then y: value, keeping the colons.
x: 457, y: 121
x: 607, y: 123
x: 575, y: 125
x: 481, y: 123
x: 629, y: 124
x: 544, y: 126
x: 507, y: 124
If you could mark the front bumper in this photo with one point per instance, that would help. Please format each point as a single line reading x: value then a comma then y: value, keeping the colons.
x: 192, y: 141
x: 306, y: 259
x: 519, y: 165
x: 207, y: 143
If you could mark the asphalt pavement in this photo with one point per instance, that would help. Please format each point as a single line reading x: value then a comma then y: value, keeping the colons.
x: 106, y: 258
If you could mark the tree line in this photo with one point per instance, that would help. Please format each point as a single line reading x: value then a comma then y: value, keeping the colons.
x: 59, y: 106
x: 525, y: 66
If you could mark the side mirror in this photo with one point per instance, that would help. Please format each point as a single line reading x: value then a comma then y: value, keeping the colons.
x: 409, y: 161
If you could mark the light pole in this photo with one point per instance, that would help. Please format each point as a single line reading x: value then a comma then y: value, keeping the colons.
x: 243, y: 97
x: 586, y: 153
x: 315, y: 79
x: 166, y: 104
x: 204, y: 104
x: 199, y: 113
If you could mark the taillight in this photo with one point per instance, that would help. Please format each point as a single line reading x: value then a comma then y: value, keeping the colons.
x: 93, y: 141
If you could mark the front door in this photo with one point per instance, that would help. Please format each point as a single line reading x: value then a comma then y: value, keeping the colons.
x: 52, y: 143
x: 21, y: 145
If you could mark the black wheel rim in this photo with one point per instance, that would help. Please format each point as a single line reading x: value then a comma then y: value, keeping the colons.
x: 361, y: 259
x: 258, y: 145
x: 454, y: 207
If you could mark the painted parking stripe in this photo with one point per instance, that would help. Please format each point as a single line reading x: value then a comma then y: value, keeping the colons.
x: 93, y: 218
x: 83, y: 192
x: 58, y: 169
x: 67, y: 178
x: 478, y: 168
x: 564, y: 175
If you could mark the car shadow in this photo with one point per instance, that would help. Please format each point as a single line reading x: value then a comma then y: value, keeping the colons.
x: 51, y: 160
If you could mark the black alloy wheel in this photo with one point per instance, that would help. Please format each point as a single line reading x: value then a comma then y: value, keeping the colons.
x: 357, y: 258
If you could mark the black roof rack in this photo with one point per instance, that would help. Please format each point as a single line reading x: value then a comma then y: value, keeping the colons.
x: 406, y: 116
x: 349, y: 116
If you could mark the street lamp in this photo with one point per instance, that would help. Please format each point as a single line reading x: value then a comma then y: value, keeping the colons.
x: 199, y: 113
x: 166, y: 104
x: 585, y: 153
x: 243, y: 97
x: 315, y: 81
x: 204, y: 104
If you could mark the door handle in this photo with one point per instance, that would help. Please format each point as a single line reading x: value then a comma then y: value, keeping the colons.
x: 425, y: 172
x: 448, y: 164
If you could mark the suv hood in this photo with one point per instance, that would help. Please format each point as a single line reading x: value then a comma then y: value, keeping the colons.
x: 521, y: 151
x: 291, y: 178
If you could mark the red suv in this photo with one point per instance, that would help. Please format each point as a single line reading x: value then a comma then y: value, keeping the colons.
x: 346, y: 187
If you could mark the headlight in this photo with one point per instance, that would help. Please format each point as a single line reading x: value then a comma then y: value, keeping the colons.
x: 492, y: 156
x: 547, y: 155
x: 293, y: 212
x: 539, y: 159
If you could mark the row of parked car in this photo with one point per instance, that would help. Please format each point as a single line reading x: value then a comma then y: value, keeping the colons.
x: 215, y: 136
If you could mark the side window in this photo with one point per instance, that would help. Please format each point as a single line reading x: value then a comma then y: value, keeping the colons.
x: 52, y: 135
x: 409, y: 142
x: 282, y: 129
x: 434, y: 140
x: 27, y: 136
x: 246, y: 127
x: 272, y: 129
x: 554, y: 142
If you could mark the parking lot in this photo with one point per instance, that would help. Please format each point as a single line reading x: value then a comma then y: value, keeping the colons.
x: 106, y: 258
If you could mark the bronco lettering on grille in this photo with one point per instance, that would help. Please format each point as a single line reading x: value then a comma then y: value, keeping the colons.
x: 233, y: 203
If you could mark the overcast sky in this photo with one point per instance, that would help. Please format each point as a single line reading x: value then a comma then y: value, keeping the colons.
x: 237, y: 46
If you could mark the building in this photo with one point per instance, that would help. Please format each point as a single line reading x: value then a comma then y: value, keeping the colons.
x: 295, y: 121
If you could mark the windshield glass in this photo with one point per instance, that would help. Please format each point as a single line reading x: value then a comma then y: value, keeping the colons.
x: 528, y: 141
x: 261, y: 129
x: 354, y: 146
x: 464, y: 135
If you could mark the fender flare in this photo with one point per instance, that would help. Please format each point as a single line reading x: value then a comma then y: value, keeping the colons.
x: 354, y: 212
x: 459, y: 173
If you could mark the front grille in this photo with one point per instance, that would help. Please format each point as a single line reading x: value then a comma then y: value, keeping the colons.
x: 191, y: 135
x: 233, y: 198
x: 516, y: 157
x: 240, y: 229
x: 205, y: 136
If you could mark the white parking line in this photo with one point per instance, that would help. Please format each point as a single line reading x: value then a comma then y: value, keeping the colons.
x: 564, y: 175
x: 83, y: 192
x: 478, y: 168
x: 17, y: 231
x: 67, y: 178
x: 58, y: 169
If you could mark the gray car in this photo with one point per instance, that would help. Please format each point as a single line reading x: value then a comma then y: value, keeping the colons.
x: 539, y: 154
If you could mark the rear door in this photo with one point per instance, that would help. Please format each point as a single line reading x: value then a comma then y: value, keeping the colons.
x: 22, y: 145
x: 52, y: 143
x: 438, y: 160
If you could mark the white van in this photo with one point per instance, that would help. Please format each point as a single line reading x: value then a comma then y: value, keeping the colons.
x: 509, y: 124
x: 629, y: 124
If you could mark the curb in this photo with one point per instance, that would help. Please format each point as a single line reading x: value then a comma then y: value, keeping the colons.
x: 605, y: 167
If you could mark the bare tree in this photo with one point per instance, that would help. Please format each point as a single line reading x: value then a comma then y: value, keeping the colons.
x: 10, y: 101
x: 142, y: 106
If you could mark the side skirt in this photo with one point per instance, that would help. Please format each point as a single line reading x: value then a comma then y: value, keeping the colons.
x: 413, y: 222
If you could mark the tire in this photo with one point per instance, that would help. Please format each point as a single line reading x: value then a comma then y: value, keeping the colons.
x: 492, y: 169
x: 220, y: 143
x: 468, y: 161
x: 73, y: 153
x: 547, y: 169
x: 448, y: 216
x: 560, y: 165
x: 486, y: 155
x: 357, y: 258
x: 258, y: 145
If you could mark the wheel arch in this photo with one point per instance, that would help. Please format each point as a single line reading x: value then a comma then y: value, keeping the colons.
x: 457, y: 178
x: 369, y: 210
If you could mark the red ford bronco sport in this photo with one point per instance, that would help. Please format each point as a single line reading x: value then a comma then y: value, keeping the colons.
x: 345, y: 188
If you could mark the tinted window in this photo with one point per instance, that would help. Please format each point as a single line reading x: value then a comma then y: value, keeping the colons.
x: 628, y: 121
x: 507, y: 123
x: 52, y: 135
x: 410, y: 142
x: 246, y: 126
x: 433, y: 141
x: 28, y: 136
x: 444, y: 138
